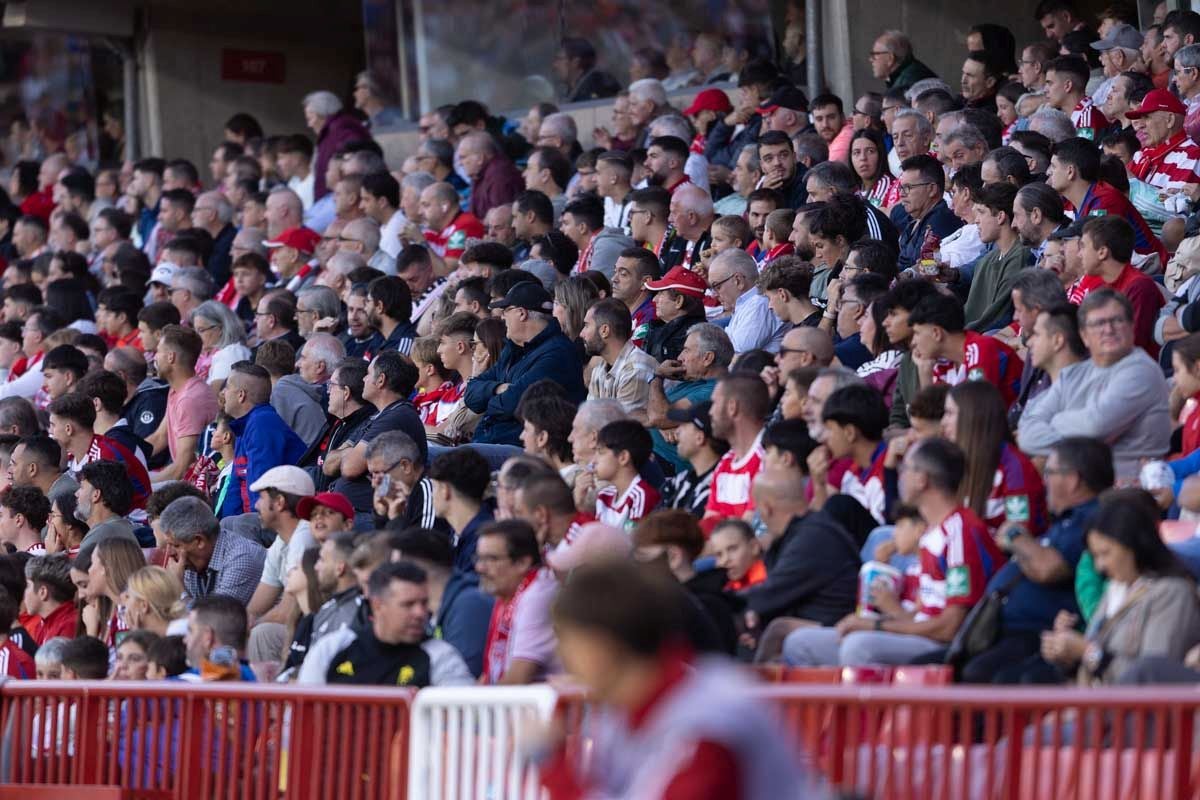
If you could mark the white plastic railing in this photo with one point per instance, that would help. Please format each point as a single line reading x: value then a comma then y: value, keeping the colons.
x: 462, y: 742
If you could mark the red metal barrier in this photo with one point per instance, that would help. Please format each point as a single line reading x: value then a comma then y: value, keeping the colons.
x: 176, y: 741
x: 1032, y: 744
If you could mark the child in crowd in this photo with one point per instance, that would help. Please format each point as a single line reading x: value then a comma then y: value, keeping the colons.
x: 438, y: 389
x: 623, y: 450
x: 166, y: 658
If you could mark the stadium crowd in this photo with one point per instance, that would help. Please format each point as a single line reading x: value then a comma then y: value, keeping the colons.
x: 910, y: 377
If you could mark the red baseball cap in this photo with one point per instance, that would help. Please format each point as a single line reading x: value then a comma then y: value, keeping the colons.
x: 1157, y: 100
x: 303, y: 239
x: 709, y: 100
x: 333, y: 500
x: 682, y: 280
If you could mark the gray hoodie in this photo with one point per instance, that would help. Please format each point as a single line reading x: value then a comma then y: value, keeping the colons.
x: 302, y: 406
x: 1124, y: 405
x: 607, y: 248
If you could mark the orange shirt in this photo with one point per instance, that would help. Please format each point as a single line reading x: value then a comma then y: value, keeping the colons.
x: 755, y: 575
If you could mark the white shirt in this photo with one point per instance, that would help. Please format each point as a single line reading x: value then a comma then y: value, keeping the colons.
x: 962, y: 247
x: 283, y: 557
x: 753, y: 325
x: 304, y: 188
x: 389, y: 234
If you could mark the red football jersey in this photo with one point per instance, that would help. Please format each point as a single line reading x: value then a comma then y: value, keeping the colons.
x: 731, y: 481
x: 624, y: 510
x: 985, y: 358
x: 958, y: 557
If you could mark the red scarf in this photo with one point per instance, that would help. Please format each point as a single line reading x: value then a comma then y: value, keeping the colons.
x: 495, y: 650
x: 585, y: 258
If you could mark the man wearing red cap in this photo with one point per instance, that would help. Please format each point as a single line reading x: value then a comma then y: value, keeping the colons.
x: 678, y: 305
x: 291, y: 254
x: 786, y: 110
x: 1168, y: 158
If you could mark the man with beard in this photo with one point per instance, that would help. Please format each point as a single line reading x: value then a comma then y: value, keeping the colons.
x: 359, y: 338
x: 626, y: 372
x: 780, y: 170
x: 665, y: 160
x: 1037, y: 213
x: 634, y: 267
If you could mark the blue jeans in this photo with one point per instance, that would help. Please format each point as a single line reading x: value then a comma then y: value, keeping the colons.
x: 496, y: 454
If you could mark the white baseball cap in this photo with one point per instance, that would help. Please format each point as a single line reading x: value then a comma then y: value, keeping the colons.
x: 287, y: 479
x: 164, y: 273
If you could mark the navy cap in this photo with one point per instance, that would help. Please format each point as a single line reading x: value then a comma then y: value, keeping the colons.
x: 529, y: 295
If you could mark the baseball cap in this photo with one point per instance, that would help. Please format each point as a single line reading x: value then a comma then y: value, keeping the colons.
x: 303, y: 239
x: 287, y: 479
x: 1121, y: 35
x: 334, y: 500
x: 1157, y: 100
x: 595, y: 542
x: 164, y: 273
x: 709, y: 100
x: 1072, y: 231
x: 682, y: 280
x: 530, y: 296
x: 699, y: 415
x: 785, y: 97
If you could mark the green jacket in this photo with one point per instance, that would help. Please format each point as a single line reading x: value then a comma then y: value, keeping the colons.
x: 1089, y: 586
x: 908, y: 383
x: 989, y: 304
x: 909, y: 72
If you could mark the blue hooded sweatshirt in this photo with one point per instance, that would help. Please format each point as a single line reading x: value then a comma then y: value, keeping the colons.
x: 264, y: 441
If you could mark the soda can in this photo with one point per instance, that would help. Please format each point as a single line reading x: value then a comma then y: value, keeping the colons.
x: 868, y: 574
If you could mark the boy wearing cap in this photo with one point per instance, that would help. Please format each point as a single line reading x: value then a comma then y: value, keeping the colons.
x: 327, y: 513
x: 678, y: 305
x: 689, y: 489
x: 280, y: 491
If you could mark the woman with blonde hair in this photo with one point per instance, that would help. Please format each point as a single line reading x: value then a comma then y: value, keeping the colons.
x: 113, y: 561
x: 153, y: 601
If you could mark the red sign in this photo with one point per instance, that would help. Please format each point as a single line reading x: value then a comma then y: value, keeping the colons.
x: 252, y: 66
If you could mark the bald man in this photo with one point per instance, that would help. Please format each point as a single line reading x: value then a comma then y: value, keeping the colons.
x: 801, y: 347
x: 812, y: 564
x: 691, y: 213
x: 264, y: 440
x: 447, y: 227
x: 494, y: 179
x: 284, y: 210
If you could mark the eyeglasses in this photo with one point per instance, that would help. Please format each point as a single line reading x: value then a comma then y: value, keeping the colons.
x: 262, y: 313
x: 906, y: 188
x: 784, y: 351
x: 1107, y: 322
x: 300, y: 311
x: 204, y: 330
x: 715, y: 285
x: 375, y: 474
x: 878, y: 53
x: 490, y: 559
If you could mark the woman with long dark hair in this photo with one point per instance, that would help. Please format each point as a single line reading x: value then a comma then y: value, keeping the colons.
x: 868, y: 159
x: 1001, y: 484
x: 1149, y: 606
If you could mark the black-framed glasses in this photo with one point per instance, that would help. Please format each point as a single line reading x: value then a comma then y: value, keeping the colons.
x: 906, y: 188
x: 375, y: 474
x: 784, y: 351
x: 715, y: 285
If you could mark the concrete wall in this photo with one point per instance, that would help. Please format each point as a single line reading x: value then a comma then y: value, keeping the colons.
x: 186, y: 100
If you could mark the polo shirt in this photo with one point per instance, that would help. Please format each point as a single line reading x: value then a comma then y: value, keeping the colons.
x: 399, y: 416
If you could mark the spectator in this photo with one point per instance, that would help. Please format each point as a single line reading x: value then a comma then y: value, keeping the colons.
x: 279, y: 492
x: 447, y: 227
x: 623, y: 448
x: 893, y: 62
x: 23, y: 515
x: 334, y: 128
x: 191, y: 403
x: 678, y: 306
x: 547, y: 504
x: 520, y: 645
x: 989, y: 303
x: 14, y: 662
x: 583, y: 223
x: 459, y: 479
x: 494, y: 179
x: 215, y: 561
x: 50, y: 596
x: 536, y: 349
x: 780, y: 169
x: 1039, y: 578
x: 103, y: 499
x: 458, y: 609
x: 752, y: 325
x: 300, y: 399
x: 263, y: 438
x: 958, y: 559
x: 624, y: 373
x: 738, y: 553
x: 1066, y: 90
x: 923, y: 218
x: 829, y: 118
x: 955, y: 354
x: 216, y: 638
x: 740, y: 405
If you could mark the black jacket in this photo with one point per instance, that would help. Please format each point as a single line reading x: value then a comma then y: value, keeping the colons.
x: 723, y: 147
x: 665, y: 339
x: 812, y: 573
x: 708, y: 587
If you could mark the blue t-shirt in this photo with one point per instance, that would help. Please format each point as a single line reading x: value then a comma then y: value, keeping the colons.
x: 1033, y: 606
x: 694, y: 392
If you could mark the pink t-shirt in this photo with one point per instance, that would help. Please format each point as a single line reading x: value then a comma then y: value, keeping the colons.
x: 532, y: 637
x: 189, y: 411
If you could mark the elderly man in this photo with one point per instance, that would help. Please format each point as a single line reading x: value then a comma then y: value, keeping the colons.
x: 190, y: 287
x: 362, y: 236
x: 548, y: 171
x: 647, y: 100
x: 892, y: 61
x: 705, y: 358
x: 284, y: 211
x: 536, y: 349
x: 1119, y: 395
x: 300, y: 398
x: 371, y: 98
x: 692, y: 215
x: 498, y: 224
x: 215, y: 561
x: 214, y: 214
x: 746, y: 174
x: 494, y: 179
x: 733, y: 276
x: 1120, y: 51
x: 1168, y: 158
x: 447, y: 226
x: 334, y: 129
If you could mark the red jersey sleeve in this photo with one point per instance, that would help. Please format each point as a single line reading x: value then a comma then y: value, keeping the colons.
x: 971, y: 559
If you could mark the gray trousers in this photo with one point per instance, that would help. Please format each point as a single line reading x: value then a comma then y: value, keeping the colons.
x: 267, y: 642
x: 821, y: 647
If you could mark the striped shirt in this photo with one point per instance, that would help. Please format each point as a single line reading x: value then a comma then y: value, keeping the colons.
x: 884, y: 194
x: 1169, y: 166
x: 1089, y: 121
x: 689, y: 491
x: 626, y: 509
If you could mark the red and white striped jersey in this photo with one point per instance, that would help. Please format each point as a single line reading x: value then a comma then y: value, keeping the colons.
x: 15, y: 662
x: 1089, y: 121
x: 1168, y: 166
x: 732, y: 477
x: 958, y: 558
x: 623, y: 511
